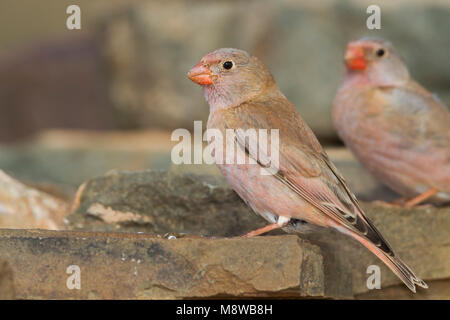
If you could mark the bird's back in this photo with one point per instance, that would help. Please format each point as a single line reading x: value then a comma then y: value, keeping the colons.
x: 400, y: 133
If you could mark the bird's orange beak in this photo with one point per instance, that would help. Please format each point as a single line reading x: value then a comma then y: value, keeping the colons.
x: 200, y: 74
x: 355, y: 59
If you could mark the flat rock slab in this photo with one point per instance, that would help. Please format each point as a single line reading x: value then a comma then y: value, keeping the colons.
x: 93, y: 265
x: 6, y: 281
x: 160, y: 202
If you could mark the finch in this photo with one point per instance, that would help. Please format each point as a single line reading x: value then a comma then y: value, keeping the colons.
x: 397, y: 129
x: 304, y: 185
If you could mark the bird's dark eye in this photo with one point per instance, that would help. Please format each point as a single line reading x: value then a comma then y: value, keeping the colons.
x: 228, y: 65
x: 380, y: 52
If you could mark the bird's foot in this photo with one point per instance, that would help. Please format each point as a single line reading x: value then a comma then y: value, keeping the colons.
x: 281, y: 222
x: 421, y: 198
x: 406, y: 203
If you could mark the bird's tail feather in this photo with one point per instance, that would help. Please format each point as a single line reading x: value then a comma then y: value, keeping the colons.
x: 398, y: 267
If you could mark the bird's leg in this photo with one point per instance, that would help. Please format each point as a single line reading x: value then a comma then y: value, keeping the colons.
x: 281, y: 222
x: 262, y: 230
x: 405, y: 203
x: 421, y: 197
x: 399, y: 202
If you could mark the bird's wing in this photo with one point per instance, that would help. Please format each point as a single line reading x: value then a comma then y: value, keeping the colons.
x: 420, y: 115
x: 304, y: 166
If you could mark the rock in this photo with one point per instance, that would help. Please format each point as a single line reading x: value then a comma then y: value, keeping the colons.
x: 6, y: 281
x: 419, y: 236
x: 150, y: 47
x: 23, y: 207
x: 438, y: 290
x: 177, y: 202
x: 138, y: 266
x: 161, y: 202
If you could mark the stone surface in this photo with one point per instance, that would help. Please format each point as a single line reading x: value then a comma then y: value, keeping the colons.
x: 138, y: 266
x: 160, y: 202
x: 438, y: 290
x: 151, y: 46
x: 6, y: 281
x: 173, y: 201
x: 420, y: 237
x: 23, y: 207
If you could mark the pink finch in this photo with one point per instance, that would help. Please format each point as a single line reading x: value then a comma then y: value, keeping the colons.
x: 397, y: 129
x: 306, y: 186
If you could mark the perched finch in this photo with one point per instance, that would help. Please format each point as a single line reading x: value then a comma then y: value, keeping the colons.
x: 397, y: 129
x: 305, y: 186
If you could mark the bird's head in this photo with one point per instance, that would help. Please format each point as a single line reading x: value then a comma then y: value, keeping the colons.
x: 377, y: 59
x: 230, y: 77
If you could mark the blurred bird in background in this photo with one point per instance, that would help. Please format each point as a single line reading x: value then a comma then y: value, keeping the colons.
x: 396, y: 128
x: 306, y: 186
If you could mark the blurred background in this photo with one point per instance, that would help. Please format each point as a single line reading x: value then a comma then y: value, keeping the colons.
x: 77, y: 103
x: 99, y: 105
